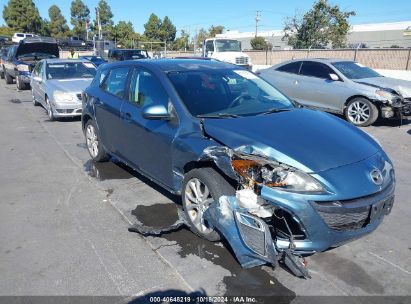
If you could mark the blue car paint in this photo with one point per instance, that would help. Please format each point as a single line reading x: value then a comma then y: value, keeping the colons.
x: 222, y: 217
x: 339, y: 155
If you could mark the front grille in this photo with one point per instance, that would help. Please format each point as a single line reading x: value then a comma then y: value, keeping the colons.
x: 357, y: 213
x: 241, y: 60
x: 345, y: 221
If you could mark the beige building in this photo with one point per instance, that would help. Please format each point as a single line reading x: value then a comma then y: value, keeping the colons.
x: 377, y: 35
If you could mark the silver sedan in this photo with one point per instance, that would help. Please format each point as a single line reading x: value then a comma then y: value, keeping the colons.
x: 343, y: 87
x: 58, y: 84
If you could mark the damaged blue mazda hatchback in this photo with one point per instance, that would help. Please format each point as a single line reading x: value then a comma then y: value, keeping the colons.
x: 277, y: 181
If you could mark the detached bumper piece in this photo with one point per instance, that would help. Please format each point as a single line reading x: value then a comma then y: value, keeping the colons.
x: 250, y: 237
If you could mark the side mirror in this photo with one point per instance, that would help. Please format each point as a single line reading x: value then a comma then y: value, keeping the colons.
x: 334, y: 77
x: 156, y: 112
x: 37, y: 79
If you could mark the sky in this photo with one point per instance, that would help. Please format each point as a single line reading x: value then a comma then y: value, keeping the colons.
x: 233, y: 14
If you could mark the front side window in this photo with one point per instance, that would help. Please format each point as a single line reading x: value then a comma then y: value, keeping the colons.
x: 316, y: 69
x: 146, y: 89
x: 355, y: 70
x: 70, y: 70
x: 38, y: 69
x: 215, y: 93
x: 115, y: 82
x: 210, y: 46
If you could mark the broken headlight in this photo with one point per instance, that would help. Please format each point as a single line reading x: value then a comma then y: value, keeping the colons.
x: 275, y: 175
x: 383, y: 94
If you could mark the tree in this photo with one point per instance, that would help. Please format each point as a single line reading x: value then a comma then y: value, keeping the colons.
x: 152, y: 27
x: 58, y: 24
x: 106, y: 19
x: 79, y: 16
x: 214, y: 30
x: 202, y: 35
x: 22, y: 16
x: 321, y: 26
x: 258, y: 43
x: 182, y: 42
x: 124, y: 34
x: 167, y: 31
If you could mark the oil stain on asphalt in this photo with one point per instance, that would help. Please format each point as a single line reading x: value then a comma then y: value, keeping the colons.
x: 107, y: 170
x: 253, y: 282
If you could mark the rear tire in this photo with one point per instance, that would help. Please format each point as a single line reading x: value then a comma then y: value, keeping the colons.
x: 9, y: 79
x: 93, y: 142
x: 201, y: 187
x: 361, y: 112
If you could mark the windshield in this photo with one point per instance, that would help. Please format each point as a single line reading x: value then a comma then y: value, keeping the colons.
x: 224, y: 45
x: 355, y: 70
x: 67, y: 70
x: 134, y: 54
x: 227, y: 92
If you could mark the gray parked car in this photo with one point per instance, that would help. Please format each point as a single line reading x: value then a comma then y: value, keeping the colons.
x: 57, y: 85
x: 343, y: 87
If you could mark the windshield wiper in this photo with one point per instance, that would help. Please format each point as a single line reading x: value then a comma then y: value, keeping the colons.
x: 275, y: 110
x: 219, y: 115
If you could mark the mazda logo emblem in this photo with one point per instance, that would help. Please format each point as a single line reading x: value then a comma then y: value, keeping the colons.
x: 376, y: 177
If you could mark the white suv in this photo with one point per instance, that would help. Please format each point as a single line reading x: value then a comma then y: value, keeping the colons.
x: 17, y: 37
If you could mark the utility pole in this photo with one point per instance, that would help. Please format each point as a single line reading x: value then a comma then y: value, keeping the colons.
x: 257, y: 19
x: 100, y: 36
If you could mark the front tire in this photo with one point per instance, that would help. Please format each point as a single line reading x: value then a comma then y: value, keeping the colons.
x: 20, y: 84
x: 2, y: 73
x: 35, y: 102
x: 93, y: 141
x: 361, y: 112
x: 49, y: 109
x: 9, y: 79
x: 201, y: 187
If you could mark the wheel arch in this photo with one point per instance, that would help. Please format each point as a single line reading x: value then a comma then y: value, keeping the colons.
x: 208, y: 164
x: 360, y: 96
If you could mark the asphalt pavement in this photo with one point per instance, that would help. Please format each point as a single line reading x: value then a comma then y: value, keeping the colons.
x: 64, y: 221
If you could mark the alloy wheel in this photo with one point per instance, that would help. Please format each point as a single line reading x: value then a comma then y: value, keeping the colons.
x: 92, y: 140
x: 358, y: 112
x: 197, y: 200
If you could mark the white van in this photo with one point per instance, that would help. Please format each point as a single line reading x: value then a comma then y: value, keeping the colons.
x: 17, y: 37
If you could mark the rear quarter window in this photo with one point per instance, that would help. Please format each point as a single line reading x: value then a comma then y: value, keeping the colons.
x: 293, y: 67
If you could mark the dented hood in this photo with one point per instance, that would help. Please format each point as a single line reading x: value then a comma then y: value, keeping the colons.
x: 311, y: 141
x: 400, y: 86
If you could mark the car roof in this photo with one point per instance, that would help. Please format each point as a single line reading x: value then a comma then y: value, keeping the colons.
x: 323, y: 60
x: 176, y: 64
x: 58, y: 60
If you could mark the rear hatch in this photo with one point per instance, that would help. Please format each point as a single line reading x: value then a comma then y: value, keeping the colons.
x: 44, y: 47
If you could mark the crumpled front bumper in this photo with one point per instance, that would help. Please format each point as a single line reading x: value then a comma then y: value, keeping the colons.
x: 329, y: 224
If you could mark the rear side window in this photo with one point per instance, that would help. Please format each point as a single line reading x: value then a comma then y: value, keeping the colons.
x: 293, y: 67
x: 20, y: 35
x: 115, y: 82
x: 316, y: 69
